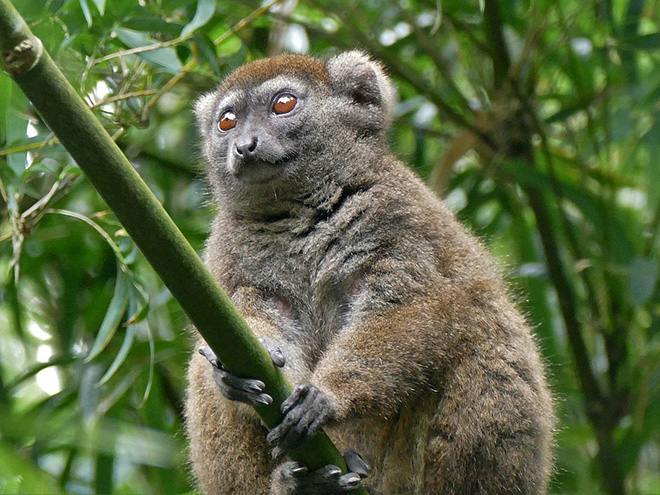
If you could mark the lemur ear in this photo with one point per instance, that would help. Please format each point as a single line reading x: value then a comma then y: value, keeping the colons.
x: 354, y: 75
x: 204, y: 112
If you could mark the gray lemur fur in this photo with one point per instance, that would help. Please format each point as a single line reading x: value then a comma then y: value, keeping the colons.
x: 392, y: 319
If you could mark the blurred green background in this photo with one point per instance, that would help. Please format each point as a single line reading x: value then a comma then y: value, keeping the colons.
x: 538, y: 121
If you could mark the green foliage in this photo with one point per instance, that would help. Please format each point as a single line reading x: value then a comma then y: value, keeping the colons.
x: 538, y: 120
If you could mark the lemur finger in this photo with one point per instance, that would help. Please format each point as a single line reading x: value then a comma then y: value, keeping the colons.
x: 246, y: 397
x: 298, y: 394
x: 278, y: 453
x: 237, y: 382
x: 280, y: 431
x: 326, y: 476
x: 241, y: 389
x: 298, y: 431
x: 274, y: 350
x: 294, y: 426
x: 294, y: 469
x: 356, y: 463
x: 210, y: 356
x: 349, y: 481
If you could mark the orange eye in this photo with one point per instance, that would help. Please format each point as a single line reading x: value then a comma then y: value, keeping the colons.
x: 284, y: 103
x: 227, y: 121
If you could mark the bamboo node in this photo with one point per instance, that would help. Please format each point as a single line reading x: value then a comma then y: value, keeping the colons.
x: 23, y: 56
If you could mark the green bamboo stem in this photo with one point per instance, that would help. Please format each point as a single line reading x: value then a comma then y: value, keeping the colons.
x: 146, y: 221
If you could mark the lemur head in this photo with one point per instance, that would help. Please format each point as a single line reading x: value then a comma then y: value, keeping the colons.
x: 284, y: 118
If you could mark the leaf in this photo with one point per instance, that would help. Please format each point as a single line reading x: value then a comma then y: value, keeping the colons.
x: 164, y: 58
x: 20, y: 475
x: 16, y: 131
x: 100, y: 4
x: 112, y: 317
x: 86, y: 12
x: 139, y: 315
x: 34, y: 369
x: 566, y: 112
x: 5, y: 98
x: 207, y: 52
x: 645, y: 42
x: 121, y: 355
x: 204, y: 12
x: 153, y: 25
x: 88, y: 394
x: 125, y: 346
x: 152, y: 365
x: 642, y: 279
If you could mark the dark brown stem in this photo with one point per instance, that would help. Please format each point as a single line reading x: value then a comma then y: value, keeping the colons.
x: 499, y: 51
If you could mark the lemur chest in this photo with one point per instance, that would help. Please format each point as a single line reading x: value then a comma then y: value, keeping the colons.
x: 309, y: 282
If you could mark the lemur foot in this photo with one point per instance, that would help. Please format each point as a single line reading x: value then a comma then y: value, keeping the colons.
x: 293, y: 477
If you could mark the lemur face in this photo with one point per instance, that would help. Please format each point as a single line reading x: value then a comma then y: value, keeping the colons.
x: 274, y: 120
x: 257, y: 131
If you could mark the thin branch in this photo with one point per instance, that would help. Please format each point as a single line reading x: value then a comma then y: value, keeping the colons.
x: 142, y: 49
x: 124, y: 96
x: 28, y: 147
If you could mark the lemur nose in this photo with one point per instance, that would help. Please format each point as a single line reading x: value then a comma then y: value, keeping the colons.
x: 246, y: 147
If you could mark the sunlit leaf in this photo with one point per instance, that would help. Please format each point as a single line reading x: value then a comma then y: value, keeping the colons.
x: 36, y: 368
x: 86, y: 12
x: 20, y: 476
x: 163, y: 58
x: 100, y: 4
x: 203, y: 14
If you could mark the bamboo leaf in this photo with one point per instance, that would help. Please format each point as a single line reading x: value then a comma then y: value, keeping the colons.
x: 100, y: 4
x: 21, y: 475
x: 642, y: 279
x: 54, y: 361
x: 140, y: 315
x: 164, y: 58
x: 89, y: 394
x: 152, y: 365
x: 86, y: 12
x: 121, y: 355
x: 5, y: 99
x: 203, y: 14
x: 644, y: 42
x: 112, y: 317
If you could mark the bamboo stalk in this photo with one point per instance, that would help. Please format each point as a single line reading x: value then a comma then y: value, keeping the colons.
x: 144, y: 218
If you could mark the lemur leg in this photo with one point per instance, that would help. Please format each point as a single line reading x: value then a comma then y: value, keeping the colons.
x: 490, y: 435
x: 228, y: 451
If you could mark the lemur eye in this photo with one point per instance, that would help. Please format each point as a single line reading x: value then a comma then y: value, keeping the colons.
x: 227, y: 121
x: 284, y: 103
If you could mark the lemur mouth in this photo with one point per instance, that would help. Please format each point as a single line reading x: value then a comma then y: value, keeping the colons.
x: 253, y: 171
x: 259, y: 171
